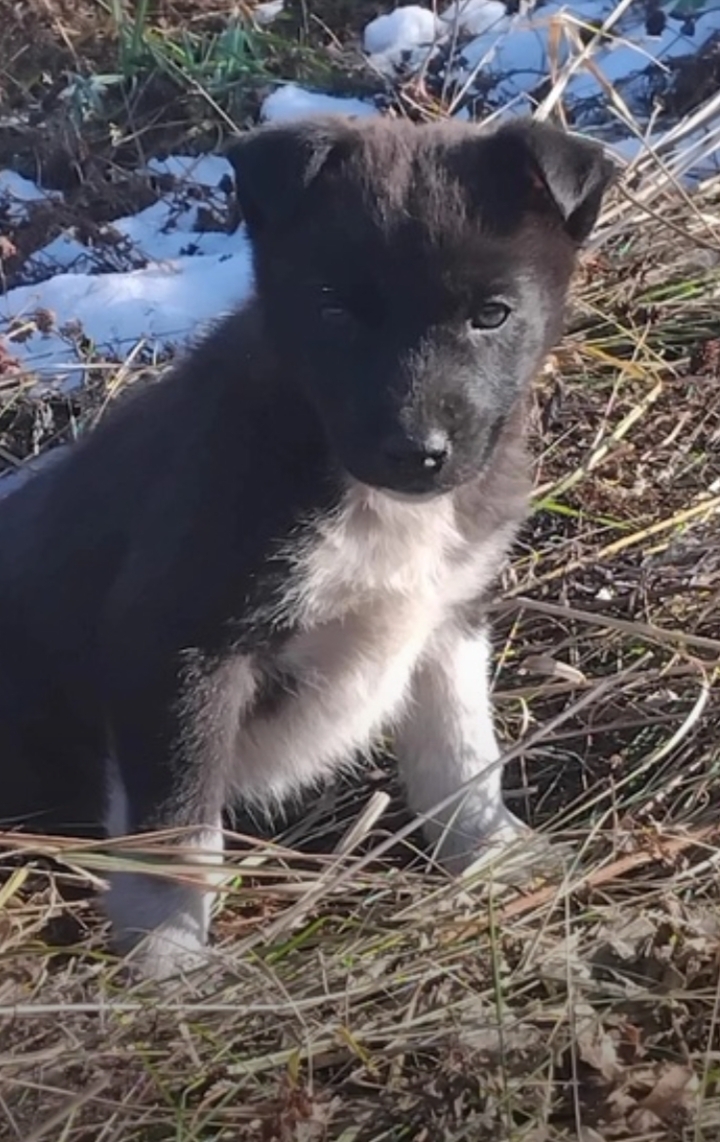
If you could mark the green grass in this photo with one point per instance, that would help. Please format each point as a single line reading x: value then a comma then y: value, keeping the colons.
x: 212, y: 60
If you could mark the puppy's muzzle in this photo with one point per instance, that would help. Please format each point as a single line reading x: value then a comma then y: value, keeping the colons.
x: 413, y: 463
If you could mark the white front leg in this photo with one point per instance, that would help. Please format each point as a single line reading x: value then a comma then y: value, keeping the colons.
x: 446, y: 739
x: 162, y: 922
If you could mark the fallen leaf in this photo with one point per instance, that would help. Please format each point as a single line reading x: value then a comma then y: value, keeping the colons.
x: 676, y: 1088
x: 598, y: 1048
x: 643, y: 1121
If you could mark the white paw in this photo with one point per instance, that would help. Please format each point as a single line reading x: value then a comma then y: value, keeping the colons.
x: 167, y: 952
x: 516, y: 854
x: 467, y: 847
x: 506, y: 849
x: 159, y: 924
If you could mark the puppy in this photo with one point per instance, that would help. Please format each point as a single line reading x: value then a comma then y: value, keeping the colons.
x: 285, y: 546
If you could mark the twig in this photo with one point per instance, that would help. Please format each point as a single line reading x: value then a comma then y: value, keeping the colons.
x: 707, y: 507
x: 67, y: 1111
x: 555, y: 894
x: 654, y: 633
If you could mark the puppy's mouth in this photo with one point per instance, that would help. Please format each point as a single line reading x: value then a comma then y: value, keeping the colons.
x: 413, y: 497
x: 408, y: 488
x: 420, y: 482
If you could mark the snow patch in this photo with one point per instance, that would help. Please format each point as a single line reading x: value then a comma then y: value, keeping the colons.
x: 484, y: 50
x: 401, y: 30
x: 202, y: 170
x: 267, y: 13
x: 16, y: 192
x: 163, y: 304
x: 476, y: 16
x: 293, y: 102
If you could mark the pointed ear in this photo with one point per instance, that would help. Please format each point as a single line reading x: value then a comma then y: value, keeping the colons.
x: 274, y: 165
x: 570, y: 172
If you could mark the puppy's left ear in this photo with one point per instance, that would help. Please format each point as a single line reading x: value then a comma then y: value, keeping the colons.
x: 573, y: 173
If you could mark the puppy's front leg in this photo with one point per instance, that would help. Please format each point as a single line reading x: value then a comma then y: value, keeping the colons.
x: 162, y: 920
x: 167, y: 772
x: 447, y: 739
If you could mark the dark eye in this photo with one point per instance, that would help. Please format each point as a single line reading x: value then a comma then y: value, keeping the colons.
x: 332, y: 309
x: 334, y: 313
x: 491, y: 315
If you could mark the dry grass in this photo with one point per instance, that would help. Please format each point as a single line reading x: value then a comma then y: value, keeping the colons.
x: 354, y: 993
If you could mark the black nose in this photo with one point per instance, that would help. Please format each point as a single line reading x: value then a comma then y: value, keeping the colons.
x: 415, y: 456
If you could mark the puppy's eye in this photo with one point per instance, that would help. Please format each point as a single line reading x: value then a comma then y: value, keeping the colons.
x: 332, y: 309
x: 334, y: 313
x: 491, y: 315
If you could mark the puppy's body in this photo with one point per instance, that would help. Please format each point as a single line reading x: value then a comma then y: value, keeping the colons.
x: 312, y: 631
x: 283, y: 548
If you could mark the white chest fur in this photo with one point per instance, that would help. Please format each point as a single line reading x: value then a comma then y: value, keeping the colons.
x: 368, y: 592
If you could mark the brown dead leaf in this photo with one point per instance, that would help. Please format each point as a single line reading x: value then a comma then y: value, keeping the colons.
x: 643, y: 1121
x: 652, y: 1097
x: 8, y: 363
x: 625, y: 937
x: 676, y: 1089
x: 8, y: 249
x: 598, y: 1048
x: 44, y: 320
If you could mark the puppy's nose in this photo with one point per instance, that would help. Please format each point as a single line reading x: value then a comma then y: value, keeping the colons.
x: 415, y: 454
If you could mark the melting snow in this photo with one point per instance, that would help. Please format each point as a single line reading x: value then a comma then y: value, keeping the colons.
x: 16, y: 192
x: 400, y: 31
x: 293, y: 102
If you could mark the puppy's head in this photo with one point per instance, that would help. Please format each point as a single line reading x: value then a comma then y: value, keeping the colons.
x: 411, y: 279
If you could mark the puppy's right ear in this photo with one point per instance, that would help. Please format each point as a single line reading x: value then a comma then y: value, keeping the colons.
x: 275, y: 165
x: 548, y: 168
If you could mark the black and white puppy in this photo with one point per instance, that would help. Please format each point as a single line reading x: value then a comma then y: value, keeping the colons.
x: 283, y: 548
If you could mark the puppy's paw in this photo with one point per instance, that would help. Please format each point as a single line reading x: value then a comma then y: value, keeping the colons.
x: 510, y: 852
x: 169, y: 951
x: 161, y: 925
x: 468, y: 844
x: 517, y: 855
